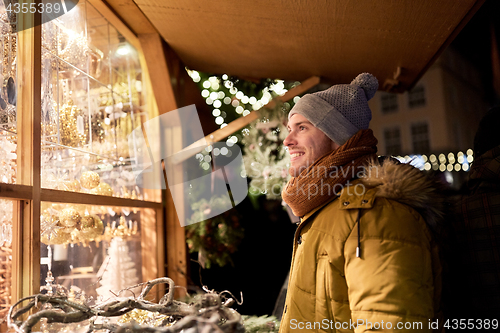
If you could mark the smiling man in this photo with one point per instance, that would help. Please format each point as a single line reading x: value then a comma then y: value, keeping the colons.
x: 364, y: 256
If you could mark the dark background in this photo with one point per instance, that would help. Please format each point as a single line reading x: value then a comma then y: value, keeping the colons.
x: 475, y: 40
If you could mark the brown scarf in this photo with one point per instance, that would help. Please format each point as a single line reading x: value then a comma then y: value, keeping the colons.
x: 327, y: 176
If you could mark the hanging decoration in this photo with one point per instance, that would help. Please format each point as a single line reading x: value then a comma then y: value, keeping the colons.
x: 71, y: 125
x: 69, y: 224
x: 90, y: 179
x: 217, y: 238
x: 266, y: 159
x: 103, y: 189
x: 74, y: 49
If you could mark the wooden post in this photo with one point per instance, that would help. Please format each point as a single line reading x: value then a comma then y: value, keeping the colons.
x: 162, y: 70
x: 29, y: 145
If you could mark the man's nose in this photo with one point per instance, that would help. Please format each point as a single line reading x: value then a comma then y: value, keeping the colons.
x: 289, y: 140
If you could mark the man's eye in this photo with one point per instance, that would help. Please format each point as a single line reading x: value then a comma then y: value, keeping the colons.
x: 302, y: 128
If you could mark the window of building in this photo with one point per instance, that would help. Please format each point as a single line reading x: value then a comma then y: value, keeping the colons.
x: 420, y: 138
x: 392, y: 138
x: 416, y: 97
x: 389, y: 102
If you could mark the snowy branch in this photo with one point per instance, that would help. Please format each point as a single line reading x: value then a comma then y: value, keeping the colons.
x: 209, y: 312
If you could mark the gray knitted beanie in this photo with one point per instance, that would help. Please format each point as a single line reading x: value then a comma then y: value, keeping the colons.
x: 341, y: 110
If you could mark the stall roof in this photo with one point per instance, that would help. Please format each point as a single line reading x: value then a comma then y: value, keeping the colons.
x: 396, y: 40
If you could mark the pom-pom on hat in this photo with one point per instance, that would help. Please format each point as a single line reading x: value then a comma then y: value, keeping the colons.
x: 341, y: 110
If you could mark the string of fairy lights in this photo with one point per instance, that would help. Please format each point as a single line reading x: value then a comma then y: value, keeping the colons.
x: 244, y: 104
x: 441, y: 162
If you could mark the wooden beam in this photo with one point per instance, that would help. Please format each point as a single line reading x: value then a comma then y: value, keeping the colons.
x: 15, y: 191
x: 176, y: 238
x: 29, y: 64
x: 159, y: 73
x: 111, y: 16
x: 25, y: 192
x: 149, y: 243
x: 475, y: 7
x: 17, y: 254
x: 164, y: 68
x: 92, y: 199
x: 241, y: 122
x: 131, y: 15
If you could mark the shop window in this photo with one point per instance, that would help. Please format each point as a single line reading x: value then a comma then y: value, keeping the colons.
x: 92, y: 214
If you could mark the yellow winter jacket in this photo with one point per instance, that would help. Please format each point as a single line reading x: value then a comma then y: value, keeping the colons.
x: 394, y: 283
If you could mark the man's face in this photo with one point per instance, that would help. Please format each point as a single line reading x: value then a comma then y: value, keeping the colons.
x: 305, y: 144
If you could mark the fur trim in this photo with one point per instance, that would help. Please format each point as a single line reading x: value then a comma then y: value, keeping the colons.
x: 408, y: 185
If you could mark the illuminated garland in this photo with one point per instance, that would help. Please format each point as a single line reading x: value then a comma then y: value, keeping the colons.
x: 265, y: 157
x: 441, y: 161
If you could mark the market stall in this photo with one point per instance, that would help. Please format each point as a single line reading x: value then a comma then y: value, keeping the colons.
x: 75, y: 87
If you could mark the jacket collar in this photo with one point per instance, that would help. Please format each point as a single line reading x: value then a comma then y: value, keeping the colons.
x: 396, y: 181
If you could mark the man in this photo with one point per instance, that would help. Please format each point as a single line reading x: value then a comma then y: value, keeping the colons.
x: 474, y: 259
x: 364, y: 256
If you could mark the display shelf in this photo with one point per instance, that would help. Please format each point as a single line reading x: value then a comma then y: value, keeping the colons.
x: 102, y: 242
x: 92, y: 100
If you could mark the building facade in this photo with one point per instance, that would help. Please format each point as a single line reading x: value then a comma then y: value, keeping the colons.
x: 439, y: 115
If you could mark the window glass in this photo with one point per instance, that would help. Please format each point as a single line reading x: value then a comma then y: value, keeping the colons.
x: 389, y: 102
x: 94, y: 251
x: 392, y: 139
x: 8, y: 96
x: 420, y: 138
x: 416, y: 97
x: 92, y: 100
x: 6, y: 224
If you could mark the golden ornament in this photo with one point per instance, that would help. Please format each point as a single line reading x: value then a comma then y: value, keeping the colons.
x: 67, y: 230
x: 103, y: 189
x: 87, y: 224
x: 70, y: 185
x: 68, y: 118
x: 98, y: 227
x: 143, y: 317
x: 69, y: 217
x: 58, y: 237
x: 90, y: 179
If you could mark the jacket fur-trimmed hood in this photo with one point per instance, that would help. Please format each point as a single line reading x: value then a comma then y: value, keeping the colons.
x: 408, y: 185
